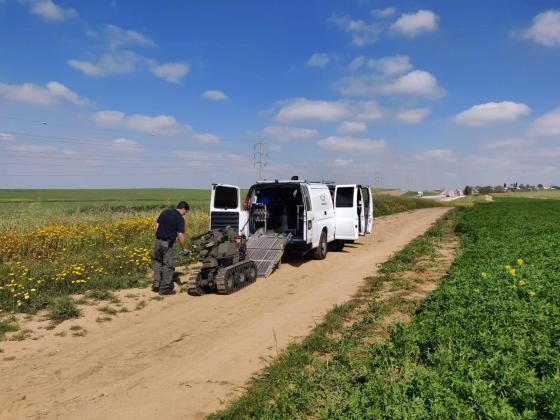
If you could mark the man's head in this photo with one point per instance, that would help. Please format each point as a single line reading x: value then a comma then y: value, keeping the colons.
x: 183, y: 207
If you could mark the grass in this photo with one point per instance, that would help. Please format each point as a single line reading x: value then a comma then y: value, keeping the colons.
x: 8, y: 324
x: 332, y: 360
x: 62, y: 309
x: 539, y: 194
x: 101, y: 319
x: 107, y: 310
x: 98, y: 295
x: 387, y: 204
x: 485, y: 344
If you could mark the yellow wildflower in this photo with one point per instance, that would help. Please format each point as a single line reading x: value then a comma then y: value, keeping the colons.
x: 484, y: 275
x: 477, y: 290
x: 531, y: 293
x: 522, y: 282
x: 520, y: 262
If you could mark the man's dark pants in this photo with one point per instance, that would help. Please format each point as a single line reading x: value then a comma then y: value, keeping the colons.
x: 163, y: 263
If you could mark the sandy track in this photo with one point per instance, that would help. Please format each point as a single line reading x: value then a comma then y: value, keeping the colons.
x: 185, y: 357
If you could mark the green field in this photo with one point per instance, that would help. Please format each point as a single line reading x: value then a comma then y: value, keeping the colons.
x: 485, y: 344
x: 540, y: 194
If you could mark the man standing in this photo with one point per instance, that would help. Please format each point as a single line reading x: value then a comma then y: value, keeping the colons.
x: 169, y: 227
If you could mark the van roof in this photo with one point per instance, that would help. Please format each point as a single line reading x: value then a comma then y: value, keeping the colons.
x: 295, y: 181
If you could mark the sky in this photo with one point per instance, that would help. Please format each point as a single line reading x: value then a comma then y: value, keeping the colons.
x: 404, y: 94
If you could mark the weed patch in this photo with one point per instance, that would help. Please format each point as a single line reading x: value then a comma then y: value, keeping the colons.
x: 62, y: 309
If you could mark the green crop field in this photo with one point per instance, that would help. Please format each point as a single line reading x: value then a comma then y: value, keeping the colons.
x: 540, y: 194
x: 485, y: 344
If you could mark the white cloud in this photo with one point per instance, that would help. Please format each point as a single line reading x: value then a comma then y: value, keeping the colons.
x: 163, y: 125
x: 369, y: 111
x: 117, y: 37
x: 492, y: 112
x: 117, y: 58
x: 6, y: 137
x: 413, y: 24
x: 214, y: 95
x: 547, y: 124
x: 442, y: 155
x: 383, y: 13
x: 49, y: 11
x: 342, y: 163
x: 206, y: 138
x: 389, y: 76
x: 274, y: 148
x: 59, y: 90
x: 114, y: 62
x: 509, y: 143
x: 170, y: 72
x: 545, y: 28
x: 357, y: 63
x: 302, y: 109
x: 352, y: 144
x: 391, y: 66
x: 125, y: 145
x: 318, y: 60
x: 33, y: 94
x: 284, y: 133
x: 351, y: 127
x: 362, y: 33
x: 417, y: 82
x: 413, y: 115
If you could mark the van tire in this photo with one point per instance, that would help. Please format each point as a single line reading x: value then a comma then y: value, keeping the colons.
x: 321, y: 251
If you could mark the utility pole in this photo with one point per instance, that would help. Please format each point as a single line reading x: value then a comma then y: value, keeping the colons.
x: 259, y: 156
x: 377, y: 179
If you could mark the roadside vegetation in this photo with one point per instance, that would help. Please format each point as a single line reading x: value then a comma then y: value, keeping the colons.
x: 389, y: 204
x: 485, y: 344
x: 55, y: 243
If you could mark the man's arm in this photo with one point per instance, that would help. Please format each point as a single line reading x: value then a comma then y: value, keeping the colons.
x: 181, y: 239
x: 156, y: 227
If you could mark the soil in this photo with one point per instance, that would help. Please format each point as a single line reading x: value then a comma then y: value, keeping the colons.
x: 184, y: 357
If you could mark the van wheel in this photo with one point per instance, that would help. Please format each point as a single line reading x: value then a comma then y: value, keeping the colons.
x: 321, y: 251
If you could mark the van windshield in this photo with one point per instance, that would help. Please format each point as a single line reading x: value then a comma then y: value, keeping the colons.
x: 345, y: 197
x: 225, y: 198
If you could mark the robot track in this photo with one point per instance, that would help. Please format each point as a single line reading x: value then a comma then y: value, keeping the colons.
x: 237, y: 276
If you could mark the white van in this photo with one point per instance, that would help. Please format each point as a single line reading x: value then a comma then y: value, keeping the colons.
x: 314, y: 213
x: 302, y: 209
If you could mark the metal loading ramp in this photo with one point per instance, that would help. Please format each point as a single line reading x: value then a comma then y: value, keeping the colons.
x: 266, y: 249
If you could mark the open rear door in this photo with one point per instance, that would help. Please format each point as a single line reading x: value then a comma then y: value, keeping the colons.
x: 368, y: 206
x: 225, y: 207
x: 362, y: 217
x: 346, y: 212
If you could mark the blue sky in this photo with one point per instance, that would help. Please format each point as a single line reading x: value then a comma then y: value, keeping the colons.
x: 419, y: 94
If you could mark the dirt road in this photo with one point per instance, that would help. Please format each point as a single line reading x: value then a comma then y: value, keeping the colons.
x: 185, y: 357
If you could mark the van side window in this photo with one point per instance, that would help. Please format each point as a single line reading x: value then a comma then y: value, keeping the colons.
x: 225, y: 198
x: 345, y: 197
x: 307, y: 196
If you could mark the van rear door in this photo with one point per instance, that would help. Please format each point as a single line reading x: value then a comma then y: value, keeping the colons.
x: 346, y: 212
x: 368, y: 206
x: 225, y: 207
x: 362, y: 217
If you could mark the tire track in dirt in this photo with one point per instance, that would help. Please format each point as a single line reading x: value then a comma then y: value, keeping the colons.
x: 185, y: 357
